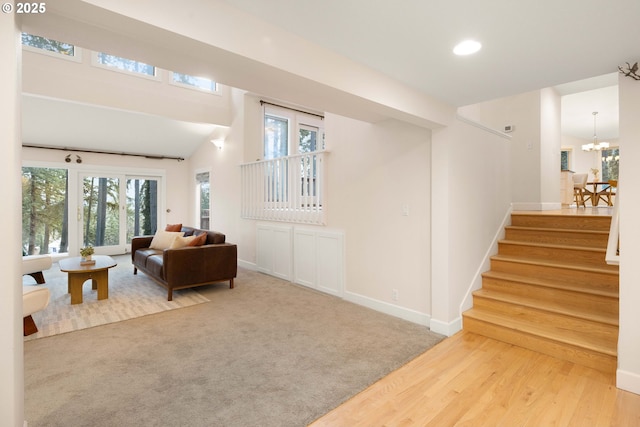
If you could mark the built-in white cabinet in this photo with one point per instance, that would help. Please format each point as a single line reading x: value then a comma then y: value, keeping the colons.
x: 309, y: 257
x: 274, y: 251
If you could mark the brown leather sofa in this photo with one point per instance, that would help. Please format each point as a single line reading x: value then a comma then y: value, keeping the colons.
x: 186, y: 267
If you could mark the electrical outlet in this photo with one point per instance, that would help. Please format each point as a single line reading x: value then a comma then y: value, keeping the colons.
x: 394, y: 294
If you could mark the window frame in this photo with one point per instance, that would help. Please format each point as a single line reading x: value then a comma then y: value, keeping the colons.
x: 192, y: 87
x: 77, y: 51
x: 95, y: 61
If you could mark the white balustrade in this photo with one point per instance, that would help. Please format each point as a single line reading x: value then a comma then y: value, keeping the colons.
x: 286, y: 189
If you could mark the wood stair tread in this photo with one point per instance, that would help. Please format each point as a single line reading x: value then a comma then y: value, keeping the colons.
x: 550, y: 306
x: 548, y: 283
x: 555, y: 246
x: 605, y: 345
x: 607, y: 269
x: 556, y: 230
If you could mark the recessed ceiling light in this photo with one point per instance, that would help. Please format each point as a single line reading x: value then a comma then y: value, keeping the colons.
x: 467, y: 47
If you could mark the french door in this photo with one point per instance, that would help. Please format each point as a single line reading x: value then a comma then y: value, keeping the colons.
x: 113, y: 208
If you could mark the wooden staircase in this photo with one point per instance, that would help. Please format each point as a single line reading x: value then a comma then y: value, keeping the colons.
x: 550, y: 290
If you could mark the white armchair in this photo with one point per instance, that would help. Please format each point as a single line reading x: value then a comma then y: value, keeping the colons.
x: 34, y: 297
x: 34, y: 265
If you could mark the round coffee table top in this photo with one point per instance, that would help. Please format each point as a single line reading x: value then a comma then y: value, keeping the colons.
x: 72, y: 264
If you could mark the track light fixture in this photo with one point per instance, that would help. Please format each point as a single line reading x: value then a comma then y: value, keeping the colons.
x: 68, y: 158
x: 78, y: 159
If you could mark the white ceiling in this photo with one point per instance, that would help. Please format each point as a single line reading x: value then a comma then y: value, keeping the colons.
x: 573, y: 45
x: 526, y: 45
x: 58, y: 123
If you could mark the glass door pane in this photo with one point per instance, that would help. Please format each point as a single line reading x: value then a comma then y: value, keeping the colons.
x: 142, y: 207
x: 45, y: 219
x: 101, y: 214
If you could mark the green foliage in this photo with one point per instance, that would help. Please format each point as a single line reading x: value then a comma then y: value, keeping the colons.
x: 48, y: 44
x: 43, y: 208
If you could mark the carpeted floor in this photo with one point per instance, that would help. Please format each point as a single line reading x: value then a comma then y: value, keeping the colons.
x: 267, y: 353
x: 129, y: 297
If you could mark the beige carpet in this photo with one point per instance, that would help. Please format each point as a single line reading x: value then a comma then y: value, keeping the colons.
x: 267, y: 353
x: 129, y: 297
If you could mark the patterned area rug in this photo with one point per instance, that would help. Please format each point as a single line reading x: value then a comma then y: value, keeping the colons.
x: 129, y: 297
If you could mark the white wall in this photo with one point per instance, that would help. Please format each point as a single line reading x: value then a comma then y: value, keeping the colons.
x: 550, y: 114
x: 535, y: 144
x: 471, y: 195
x: 628, y: 376
x: 224, y: 165
x: 11, y: 341
x: 82, y: 82
x: 374, y: 171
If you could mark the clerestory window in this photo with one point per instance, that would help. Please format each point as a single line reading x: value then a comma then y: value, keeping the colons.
x: 194, y: 82
x: 51, y: 47
x: 125, y: 65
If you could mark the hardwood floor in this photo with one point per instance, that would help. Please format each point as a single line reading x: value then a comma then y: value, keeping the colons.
x: 471, y: 380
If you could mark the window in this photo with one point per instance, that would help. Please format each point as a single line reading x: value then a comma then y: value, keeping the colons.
x: 125, y: 65
x: 288, y: 184
x: 565, y: 159
x: 45, y: 221
x: 276, y: 136
x: 194, y: 82
x: 610, y: 163
x: 203, y: 197
x: 278, y: 124
x: 50, y: 47
x: 142, y: 207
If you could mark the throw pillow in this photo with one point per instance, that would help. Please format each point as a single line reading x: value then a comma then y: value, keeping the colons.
x: 173, y: 227
x: 162, y: 239
x: 198, y: 240
x: 181, y: 242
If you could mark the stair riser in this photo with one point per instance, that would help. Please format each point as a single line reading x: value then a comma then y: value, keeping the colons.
x: 591, y: 240
x: 556, y: 321
x: 573, y: 354
x: 578, y: 222
x: 568, y: 255
x: 570, y: 299
x: 588, y: 279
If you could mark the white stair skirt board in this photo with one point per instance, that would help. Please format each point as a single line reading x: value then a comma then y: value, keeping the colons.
x: 629, y: 381
x: 446, y: 328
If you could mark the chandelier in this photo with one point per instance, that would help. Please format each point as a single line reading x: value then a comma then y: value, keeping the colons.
x: 595, y: 145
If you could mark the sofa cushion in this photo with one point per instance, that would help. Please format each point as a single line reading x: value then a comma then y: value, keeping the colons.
x: 163, y: 239
x: 181, y: 242
x: 154, y: 266
x: 173, y: 227
x: 141, y: 255
x: 198, y: 240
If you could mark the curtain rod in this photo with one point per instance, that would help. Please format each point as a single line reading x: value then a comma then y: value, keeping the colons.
x: 81, y: 150
x: 292, y: 109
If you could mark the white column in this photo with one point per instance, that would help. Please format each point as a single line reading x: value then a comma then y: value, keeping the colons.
x: 442, y: 314
x: 628, y: 375
x: 11, y: 341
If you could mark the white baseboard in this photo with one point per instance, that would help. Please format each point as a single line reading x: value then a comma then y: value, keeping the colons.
x: 248, y: 265
x: 446, y: 328
x: 629, y: 381
x: 390, y: 309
